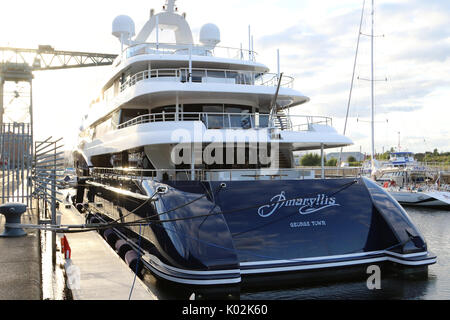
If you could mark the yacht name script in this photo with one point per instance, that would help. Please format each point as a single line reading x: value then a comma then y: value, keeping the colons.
x: 306, y: 206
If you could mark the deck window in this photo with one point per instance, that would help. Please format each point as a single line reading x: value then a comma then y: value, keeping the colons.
x: 128, y: 114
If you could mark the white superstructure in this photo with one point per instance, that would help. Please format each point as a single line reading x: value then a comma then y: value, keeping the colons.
x: 159, y: 95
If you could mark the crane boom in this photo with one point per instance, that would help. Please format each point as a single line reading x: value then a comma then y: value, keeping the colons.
x: 46, y: 58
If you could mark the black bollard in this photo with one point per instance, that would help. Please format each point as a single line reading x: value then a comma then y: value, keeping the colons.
x: 13, y: 213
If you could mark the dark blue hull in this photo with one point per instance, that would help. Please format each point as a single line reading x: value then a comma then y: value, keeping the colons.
x: 220, y: 233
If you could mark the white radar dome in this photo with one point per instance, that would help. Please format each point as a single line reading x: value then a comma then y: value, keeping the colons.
x: 123, y: 27
x: 210, y: 35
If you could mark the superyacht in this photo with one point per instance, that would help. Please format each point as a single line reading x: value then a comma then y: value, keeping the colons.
x: 188, y: 154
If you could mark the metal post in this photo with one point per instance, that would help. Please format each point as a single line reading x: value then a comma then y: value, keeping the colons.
x: 249, y: 43
x: 278, y: 64
x: 190, y: 63
x: 29, y: 165
x: 192, y: 161
x: 22, y: 160
x: 177, y: 107
x: 372, y: 99
x: 322, y: 162
x: 2, y: 143
x: 54, y: 222
x: 2, y: 82
x: 8, y: 135
x: 14, y: 161
x: 53, y: 186
x: 38, y: 204
x: 157, y: 32
x: 30, y: 145
x: 353, y: 78
x: 253, y: 51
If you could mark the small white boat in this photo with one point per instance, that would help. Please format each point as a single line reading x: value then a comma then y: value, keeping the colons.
x: 410, y: 197
x: 410, y: 186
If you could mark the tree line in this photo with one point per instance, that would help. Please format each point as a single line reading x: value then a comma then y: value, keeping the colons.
x: 313, y: 159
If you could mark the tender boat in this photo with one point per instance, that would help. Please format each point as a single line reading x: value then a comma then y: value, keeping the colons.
x: 188, y: 154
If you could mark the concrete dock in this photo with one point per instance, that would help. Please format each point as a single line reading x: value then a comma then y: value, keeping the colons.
x: 20, y: 264
x: 103, y: 274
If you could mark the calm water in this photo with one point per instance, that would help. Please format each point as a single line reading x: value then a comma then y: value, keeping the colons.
x: 435, y: 227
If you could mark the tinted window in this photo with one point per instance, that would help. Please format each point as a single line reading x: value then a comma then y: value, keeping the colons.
x: 128, y: 114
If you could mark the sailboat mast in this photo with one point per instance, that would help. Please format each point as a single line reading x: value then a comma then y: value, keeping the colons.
x: 353, y: 79
x: 372, y: 95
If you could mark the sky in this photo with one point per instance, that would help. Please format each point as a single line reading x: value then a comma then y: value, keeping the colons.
x: 317, y: 42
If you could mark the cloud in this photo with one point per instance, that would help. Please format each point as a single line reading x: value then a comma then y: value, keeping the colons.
x: 427, y: 52
x: 414, y: 55
x: 310, y: 47
x: 364, y: 111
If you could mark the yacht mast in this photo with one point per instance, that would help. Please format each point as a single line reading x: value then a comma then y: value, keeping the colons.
x: 372, y: 99
x: 353, y: 78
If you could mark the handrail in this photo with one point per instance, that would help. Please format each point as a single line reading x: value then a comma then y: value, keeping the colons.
x: 216, y: 120
x: 205, y: 75
x: 226, y: 174
x: 196, y: 49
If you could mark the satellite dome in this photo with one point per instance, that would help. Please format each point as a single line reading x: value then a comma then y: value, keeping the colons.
x: 123, y: 26
x: 210, y: 35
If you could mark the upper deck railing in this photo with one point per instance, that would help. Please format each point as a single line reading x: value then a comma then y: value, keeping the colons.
x: 214, y: 120
x: 189, y: 49
x: 199, y: 75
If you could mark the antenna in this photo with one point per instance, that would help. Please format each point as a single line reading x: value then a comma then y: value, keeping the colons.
x: 157, y: 32
x: 253, y: 51
x: 249, y: 43
x: 372, y: 97
x: 273, y: 111
x: 278, y: 63
x: 353, y: 78
x: 170, y: 5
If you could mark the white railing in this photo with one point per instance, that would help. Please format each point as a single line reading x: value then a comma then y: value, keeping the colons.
x: 310, y: 121
x: 225, y: 174
x: 195, y: 50
x: 234, y: 120
x: 209, y: 76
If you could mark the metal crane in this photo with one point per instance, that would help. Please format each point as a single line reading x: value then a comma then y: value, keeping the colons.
x: 18, y: 65
x: 46, y: 57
